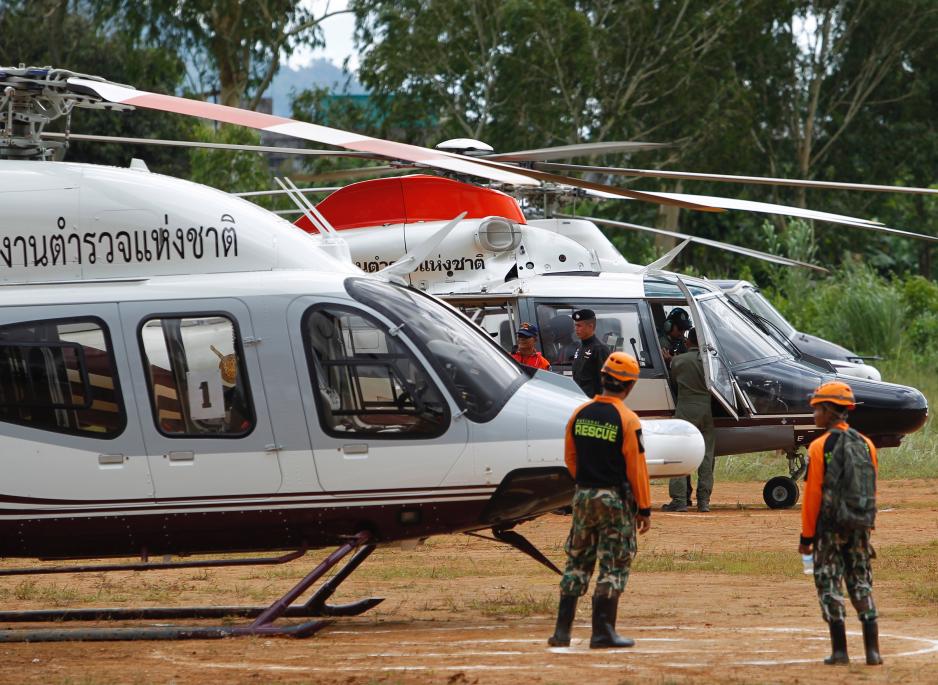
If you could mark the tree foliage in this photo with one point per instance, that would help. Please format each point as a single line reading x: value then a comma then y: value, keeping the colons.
x: 73, y: 40
x: 818, y: 89
x: 238, y: 45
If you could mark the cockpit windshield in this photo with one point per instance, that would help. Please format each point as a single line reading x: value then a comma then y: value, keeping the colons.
x: 738, y: 341
x: 756, y: 302
x: 480, y: 375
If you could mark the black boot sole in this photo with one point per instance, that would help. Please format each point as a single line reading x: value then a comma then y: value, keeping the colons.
x: 553, y: 642
x: 608, y: 645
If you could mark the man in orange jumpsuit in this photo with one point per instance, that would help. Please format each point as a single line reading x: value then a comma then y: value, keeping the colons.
x: 526, y: 353
x: 841, y: 463
x: 605, y: 455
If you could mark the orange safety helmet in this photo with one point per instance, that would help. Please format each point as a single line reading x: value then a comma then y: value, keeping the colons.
x: 621, y: 366
x: 835, y: 392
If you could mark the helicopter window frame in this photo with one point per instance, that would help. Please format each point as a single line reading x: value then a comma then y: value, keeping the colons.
x: 648, y: 367
x: 497, y: 402
x: 85, y: 380
x: 243, y: 379
x: 313, y: 365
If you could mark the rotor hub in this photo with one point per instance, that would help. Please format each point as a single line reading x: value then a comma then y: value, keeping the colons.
x: 31, y: 98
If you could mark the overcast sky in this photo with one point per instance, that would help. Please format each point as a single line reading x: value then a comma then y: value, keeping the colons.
x: 338, y: 32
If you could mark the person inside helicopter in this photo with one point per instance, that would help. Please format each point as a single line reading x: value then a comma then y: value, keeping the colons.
x: 673, y: 328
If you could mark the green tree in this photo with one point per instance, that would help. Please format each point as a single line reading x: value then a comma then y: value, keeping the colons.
x: 74, y: 41
x: 239, y: 43
x: 232, y: 172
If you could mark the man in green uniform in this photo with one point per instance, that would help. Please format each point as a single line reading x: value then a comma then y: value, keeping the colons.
x: 693, y: 405
x: 590, y: 356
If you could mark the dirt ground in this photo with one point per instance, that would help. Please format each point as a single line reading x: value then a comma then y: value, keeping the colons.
x: 714, y: 598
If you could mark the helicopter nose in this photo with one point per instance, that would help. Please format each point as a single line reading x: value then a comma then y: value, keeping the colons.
x: 887, y: 411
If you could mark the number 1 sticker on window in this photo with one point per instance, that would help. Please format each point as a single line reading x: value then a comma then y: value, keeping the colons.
x: 206, y: 396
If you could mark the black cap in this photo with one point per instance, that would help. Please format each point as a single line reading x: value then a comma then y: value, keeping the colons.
x: 584, y: 315
x: 528, y: 330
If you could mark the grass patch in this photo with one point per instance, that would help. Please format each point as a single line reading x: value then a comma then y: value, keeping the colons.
x: 740, y: 563
x: 514, y: 604
x: 915, y: 567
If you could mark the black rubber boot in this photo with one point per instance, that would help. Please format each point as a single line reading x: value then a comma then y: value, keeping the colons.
x: 566, y: 611
x: 871, y: 642
x: 604, y: 624
x: 838, y: 644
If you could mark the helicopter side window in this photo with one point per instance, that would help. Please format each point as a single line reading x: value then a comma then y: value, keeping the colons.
x: 496, y: 320
x: 367, y: 380
x: 198, y: 382
x: 479, y: 374
x: 617, y: 326
x: 60, y: 375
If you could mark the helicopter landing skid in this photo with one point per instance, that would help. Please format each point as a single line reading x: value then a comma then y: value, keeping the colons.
x: 263, y: 623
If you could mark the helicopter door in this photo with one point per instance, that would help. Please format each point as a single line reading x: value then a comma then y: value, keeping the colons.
x: 717, y: 374
x: 203, y: 410
x: 67, y: 412
x: 377, y: 416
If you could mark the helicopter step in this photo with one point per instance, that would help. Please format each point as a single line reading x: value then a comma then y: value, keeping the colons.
x: 263, y: 623
x: 782, y: 492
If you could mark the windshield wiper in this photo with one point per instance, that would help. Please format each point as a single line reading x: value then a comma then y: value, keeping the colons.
x: 769, y: 328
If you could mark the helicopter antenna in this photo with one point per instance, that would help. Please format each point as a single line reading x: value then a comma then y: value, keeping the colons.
x: 309, y: 208
x: 330, y: 240
x: 415, y: 257
x: 667, y: 258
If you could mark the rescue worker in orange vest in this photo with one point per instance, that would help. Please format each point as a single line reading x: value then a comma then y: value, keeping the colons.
x: 604, y: 453
x: 841, y: 552
x: 526, y: 353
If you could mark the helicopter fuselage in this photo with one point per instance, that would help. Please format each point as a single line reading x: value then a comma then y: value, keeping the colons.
x: 184, y: 372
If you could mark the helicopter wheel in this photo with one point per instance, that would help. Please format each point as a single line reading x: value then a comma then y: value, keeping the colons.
x: 780, y: 492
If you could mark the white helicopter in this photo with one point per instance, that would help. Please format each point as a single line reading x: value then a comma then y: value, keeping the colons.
x: 503, y: 269
x: 183, y: 372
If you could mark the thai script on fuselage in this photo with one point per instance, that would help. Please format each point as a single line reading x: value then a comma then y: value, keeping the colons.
x: 129, y: 246
x: 451, y: 264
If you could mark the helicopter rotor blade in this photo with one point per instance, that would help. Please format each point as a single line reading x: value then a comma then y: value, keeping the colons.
x: 727, y: 178
x: 602, y: 190
x: 438, y: 159
x: 783, y: 210
x: 729, y: 247
x: 571, y: 151
x: 298, y: 129
x: 209, y: 146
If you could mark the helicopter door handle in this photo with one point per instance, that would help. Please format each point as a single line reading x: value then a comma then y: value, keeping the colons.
x: 181, y: 456
x: 356, y: 451
x: 110, y: 459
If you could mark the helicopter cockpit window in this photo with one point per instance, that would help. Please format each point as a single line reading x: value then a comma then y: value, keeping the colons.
x: 368, y: 381
x: 198, y: 383
x: 756, y: 302
x: 617, y: 326
x: 60, y: 375
x: 480, y: 375
x: 738, y: 341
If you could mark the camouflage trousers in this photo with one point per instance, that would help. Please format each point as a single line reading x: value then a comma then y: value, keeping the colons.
x: 603, y: 528
x: 840, y: 557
